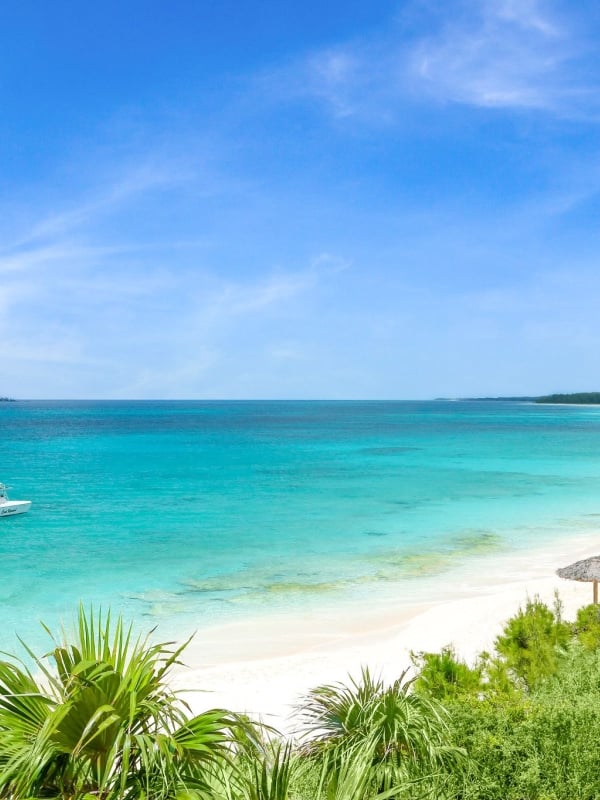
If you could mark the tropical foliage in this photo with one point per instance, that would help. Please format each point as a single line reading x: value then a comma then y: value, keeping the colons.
x: 529, y: 715
x: 587, y: 626
x: 533, y: 641
x: 444, y: 676
x: 98, y: 719
x: 95, y: 718
x: 402, y: 736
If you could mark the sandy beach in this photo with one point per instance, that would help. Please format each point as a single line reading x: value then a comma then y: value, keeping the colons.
x: 264, y: 667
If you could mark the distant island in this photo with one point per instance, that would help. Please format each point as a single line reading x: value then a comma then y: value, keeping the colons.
x: 7, y: 400
x: 519, y: 399
x: 574, y: 399
x: 578, y: 398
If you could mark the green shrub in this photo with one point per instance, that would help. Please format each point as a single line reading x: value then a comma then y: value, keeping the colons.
x: 587, y: 626
x: 533, y: 641
x: 537, y: 746
x: 444, y: 676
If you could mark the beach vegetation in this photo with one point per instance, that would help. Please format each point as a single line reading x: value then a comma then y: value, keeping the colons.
x: 540, y: 745
x: 587, y: 626
x: 95, y: 719
x: 527, y: 650
x: 402, y: 735
x: 444, y: 675
x: 533, y: 641
x: 530, y: 729
x: 269, y: 775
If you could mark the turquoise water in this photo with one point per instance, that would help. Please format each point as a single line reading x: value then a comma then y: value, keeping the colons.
x: 193, y: 513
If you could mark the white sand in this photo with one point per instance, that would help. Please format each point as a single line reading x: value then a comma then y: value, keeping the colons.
x: 263, y: 668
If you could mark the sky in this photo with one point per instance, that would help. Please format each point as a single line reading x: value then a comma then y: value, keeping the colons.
x: 274, y: 199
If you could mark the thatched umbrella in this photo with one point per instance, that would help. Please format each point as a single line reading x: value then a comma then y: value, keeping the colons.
x: 586, y: 570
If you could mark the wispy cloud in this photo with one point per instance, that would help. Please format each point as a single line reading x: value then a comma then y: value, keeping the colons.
x: 210, y: 267
x: 133, y: 181
x: 221, y: 302
x: 227, y: 332
x: 503, y: 54
x: 149, y: 322
x: 499, y: 55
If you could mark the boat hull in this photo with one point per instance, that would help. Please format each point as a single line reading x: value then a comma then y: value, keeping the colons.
x: 12, y: 507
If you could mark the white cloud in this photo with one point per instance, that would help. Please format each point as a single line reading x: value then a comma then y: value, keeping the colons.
x: 333, y: 76
x: 527, y: 14
x: 220, y: 303
x: 501, y: 54
x: 133, y: 181
x: 504, y: 54
x: 121, y: 325
x: 237, y: 299
x: 25, y: 260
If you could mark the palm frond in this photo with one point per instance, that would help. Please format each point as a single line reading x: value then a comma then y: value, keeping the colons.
x: 396, y: 735
x: 105, y: 722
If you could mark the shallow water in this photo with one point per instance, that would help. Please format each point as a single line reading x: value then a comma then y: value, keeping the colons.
x: 193, y: 513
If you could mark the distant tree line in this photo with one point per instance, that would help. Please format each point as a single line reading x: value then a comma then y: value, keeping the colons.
x: 574, y: 398
x: 577, y: 398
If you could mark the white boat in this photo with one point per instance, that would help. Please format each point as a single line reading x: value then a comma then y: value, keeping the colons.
x: 10, y: 507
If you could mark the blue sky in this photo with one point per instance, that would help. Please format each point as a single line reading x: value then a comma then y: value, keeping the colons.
x: 280, y: 199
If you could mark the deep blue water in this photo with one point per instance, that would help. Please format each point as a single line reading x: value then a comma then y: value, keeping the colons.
x: 190, y: 513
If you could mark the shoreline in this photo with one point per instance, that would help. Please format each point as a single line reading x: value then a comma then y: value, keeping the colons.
x: 263, y: 666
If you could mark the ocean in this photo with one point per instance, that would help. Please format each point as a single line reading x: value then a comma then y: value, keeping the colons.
x: 190, y: 514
